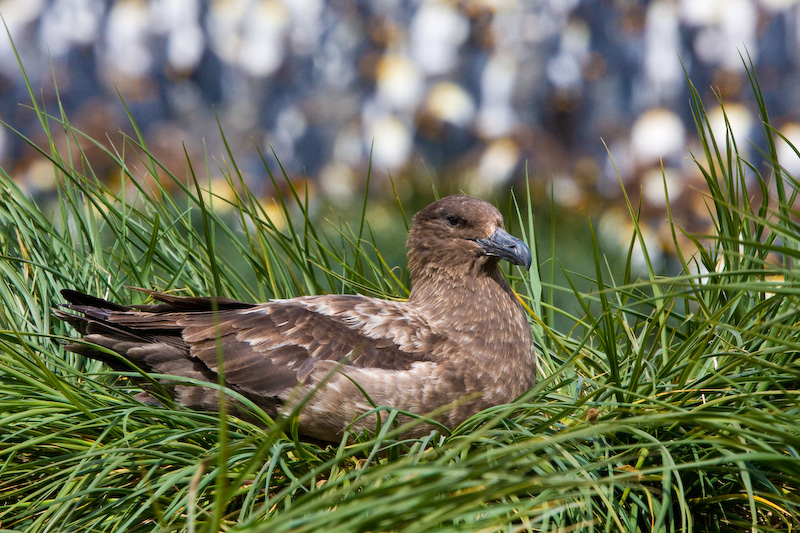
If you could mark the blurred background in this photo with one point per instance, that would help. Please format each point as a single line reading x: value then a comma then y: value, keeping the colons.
x: 471, y: 95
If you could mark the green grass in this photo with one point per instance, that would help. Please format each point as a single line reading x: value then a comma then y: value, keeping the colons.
x: 672, y: 405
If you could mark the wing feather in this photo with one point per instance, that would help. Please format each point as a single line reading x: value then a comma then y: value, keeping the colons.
x: 271, y: 347
x: 264, y: 351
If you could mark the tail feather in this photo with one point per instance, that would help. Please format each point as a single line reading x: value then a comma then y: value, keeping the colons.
x: 137, y: 332
x: 145, y: 336
x: 81, y: 299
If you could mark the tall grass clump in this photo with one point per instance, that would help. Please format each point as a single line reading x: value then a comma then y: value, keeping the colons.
x: 673, y: 406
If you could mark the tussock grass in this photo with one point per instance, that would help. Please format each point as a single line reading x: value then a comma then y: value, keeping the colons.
x: 673, y: 406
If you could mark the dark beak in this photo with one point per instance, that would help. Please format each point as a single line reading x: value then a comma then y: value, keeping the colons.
x: 505, y: 246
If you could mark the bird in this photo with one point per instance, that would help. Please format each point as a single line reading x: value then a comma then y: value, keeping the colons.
x: 460, y: 343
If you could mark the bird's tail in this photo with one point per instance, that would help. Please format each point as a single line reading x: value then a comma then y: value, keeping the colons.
x: 144, y: 334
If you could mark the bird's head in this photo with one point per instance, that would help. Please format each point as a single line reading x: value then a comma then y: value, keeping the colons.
x: 459, y: 235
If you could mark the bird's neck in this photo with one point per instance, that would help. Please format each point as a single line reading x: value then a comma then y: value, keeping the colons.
x: 461, y: 297
x: 489, y: 331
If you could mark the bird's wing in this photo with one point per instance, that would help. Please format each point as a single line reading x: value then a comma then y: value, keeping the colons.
x: 263, y: 350
x: 271, y: 347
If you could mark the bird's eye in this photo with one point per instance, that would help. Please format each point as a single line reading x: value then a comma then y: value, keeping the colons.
x: 453, y: 220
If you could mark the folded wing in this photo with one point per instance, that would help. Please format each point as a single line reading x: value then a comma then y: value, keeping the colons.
x: 263, y: 351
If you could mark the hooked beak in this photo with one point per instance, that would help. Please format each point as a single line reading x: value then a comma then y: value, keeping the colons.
x: 505, y: 246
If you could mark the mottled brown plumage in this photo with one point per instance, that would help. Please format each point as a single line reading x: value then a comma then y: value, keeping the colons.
x: 461, y: 338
